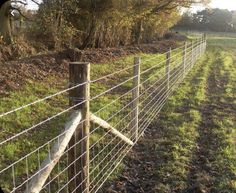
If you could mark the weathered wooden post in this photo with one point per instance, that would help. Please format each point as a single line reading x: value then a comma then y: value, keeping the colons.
x: 204, y: 42
x: 185, y: 58
x: 192, y: 52
x: 199, y: 48
x: 168, y: 55
x: 201, y: 40
x: 135, y: 97
x: 78, y: 155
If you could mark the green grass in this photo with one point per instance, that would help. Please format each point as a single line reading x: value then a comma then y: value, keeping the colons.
x: 178, y: 123
x: 198, y: 121
x: 196, y: 130
x: 19, y: 121
x: 193, y: 140
x: 222, y: 40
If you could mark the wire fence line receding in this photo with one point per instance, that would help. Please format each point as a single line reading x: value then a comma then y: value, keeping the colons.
x: 105, y: 118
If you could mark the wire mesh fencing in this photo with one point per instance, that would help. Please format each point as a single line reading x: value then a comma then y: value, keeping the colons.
x: 105, y: 117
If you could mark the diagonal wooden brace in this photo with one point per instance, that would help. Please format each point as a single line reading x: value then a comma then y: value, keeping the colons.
x: 107, y: 126
x: 38, y: 181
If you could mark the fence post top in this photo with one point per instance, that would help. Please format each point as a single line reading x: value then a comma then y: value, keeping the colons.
x: 137, y: 59
x: 168, y: 53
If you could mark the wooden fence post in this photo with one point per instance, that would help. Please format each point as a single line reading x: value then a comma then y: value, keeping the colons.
x: 200, y: 46
x: 168, y: 55
x: 78, y: 155
x: 197, y: 50
x: 204, y: 43
x: 184, y: 58
x: 135, y: 97
x: 192, y: 54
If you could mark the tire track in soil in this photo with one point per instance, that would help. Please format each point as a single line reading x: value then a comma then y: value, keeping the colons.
x: 207, y: 171
x: 139, y: 175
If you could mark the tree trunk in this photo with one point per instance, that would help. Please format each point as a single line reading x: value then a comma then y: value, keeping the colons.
x: 90, y: 39
x: 57, y: 34
x: 138, y: 31
x: 5, y: 23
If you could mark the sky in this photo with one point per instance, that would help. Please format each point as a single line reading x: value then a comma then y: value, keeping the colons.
x: 223, y: 4
x: 31, y: 5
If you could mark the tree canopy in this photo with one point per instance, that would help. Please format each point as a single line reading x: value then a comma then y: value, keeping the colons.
x: 102, y: 23
x: 209, y: 19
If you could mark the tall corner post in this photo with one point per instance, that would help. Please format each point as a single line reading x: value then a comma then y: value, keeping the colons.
x: 78, y: 154
x: 135, y: 97
x: 168, y: 60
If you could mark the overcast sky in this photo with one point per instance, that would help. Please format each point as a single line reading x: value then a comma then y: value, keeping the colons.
x: 223, y: 4
x: 31, y: 5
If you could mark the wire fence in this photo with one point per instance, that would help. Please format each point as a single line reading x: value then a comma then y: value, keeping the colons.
x: 106, y: 117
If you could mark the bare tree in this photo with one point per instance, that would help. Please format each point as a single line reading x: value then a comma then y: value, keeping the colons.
x: 6, y: 12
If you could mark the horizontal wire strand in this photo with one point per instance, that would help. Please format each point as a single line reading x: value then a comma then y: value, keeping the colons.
x: 176, y: 75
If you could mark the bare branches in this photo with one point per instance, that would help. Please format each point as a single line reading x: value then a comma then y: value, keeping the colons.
x: 19, y: 11
x: 36, y: 2
x: 162, y: 6
x: 172, y: 4
x: 17, y: 6
x: 19, y: 2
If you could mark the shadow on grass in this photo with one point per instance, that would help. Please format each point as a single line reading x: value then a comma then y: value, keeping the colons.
x: 213, y: 162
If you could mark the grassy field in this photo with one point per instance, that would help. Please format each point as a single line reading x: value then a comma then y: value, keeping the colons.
x: 190, y: 147
x: 198, y: 127
x: 16, y: 122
